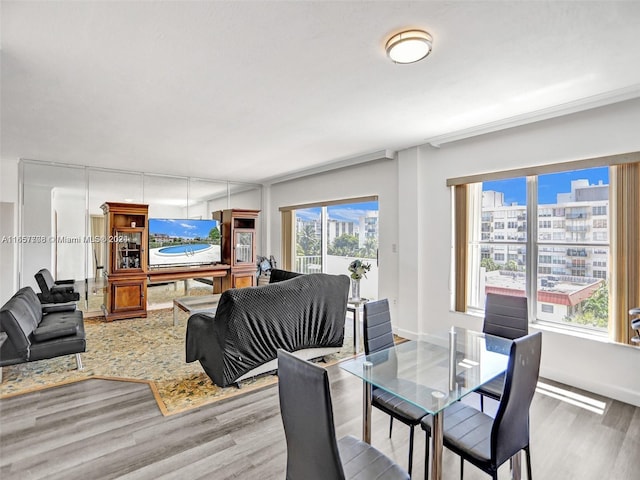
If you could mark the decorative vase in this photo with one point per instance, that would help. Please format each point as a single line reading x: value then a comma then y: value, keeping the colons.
x: 355, y: 289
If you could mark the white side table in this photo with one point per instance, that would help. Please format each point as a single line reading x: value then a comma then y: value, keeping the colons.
x: 354, y: 307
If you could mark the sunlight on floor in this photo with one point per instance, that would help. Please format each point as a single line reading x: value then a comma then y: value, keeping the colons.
x: 582, y: 401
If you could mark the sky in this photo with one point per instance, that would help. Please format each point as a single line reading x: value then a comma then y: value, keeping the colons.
x: 350, y: 212
x: 181, y: 227
x: 548, y: 185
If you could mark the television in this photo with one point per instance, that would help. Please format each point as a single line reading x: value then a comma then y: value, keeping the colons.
x: 183, y: 242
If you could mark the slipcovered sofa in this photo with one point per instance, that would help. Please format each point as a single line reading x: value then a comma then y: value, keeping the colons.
x: 35, y: 331
x: 304, y: 315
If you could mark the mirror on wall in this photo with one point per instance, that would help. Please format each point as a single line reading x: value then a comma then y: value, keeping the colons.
x: 105, y: 185
x: 62, y: 205
x: 52, y: 220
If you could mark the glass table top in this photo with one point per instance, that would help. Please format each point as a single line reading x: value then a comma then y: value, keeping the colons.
x: 198, y: 301
x: 431, y: 374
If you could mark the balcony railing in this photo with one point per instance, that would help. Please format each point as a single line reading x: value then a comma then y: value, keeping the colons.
x: 309, y: 264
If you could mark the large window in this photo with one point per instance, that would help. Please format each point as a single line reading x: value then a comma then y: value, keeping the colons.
x: 327, y: 237
x: 577, y: 285
x: 570, y: 243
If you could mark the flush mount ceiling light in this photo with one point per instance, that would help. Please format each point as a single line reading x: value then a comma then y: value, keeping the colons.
x: 409, y: 46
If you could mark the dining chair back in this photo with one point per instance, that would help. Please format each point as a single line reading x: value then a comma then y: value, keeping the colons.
x: 510, y: 432
x: 505, y: 316
x: 313, y: 453
x: 378, y: 336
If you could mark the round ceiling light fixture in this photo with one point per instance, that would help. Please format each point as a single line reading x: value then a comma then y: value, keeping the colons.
x: 409, y: 46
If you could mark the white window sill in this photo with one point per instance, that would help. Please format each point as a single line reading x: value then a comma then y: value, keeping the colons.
x: 572, y: 331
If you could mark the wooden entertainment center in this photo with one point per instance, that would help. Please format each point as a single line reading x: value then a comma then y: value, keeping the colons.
x: 127, y: 271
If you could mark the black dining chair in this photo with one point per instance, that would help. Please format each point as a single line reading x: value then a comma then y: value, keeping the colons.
x: 488, y: 442
x: 508, y: 317
x: 378, y: 335
x: 313, y: 453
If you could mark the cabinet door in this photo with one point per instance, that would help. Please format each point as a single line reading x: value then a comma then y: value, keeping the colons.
x: 243, y: 248
x: 128, y: 250
x: 241, y: 280
x: 128, y: 295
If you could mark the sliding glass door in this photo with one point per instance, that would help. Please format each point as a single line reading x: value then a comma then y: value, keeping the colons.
x: 328, y: 237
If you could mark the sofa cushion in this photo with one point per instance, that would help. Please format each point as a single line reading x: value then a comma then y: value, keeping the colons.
x: 63, y: 328
x: 60, y: 345
x: 58, y: 307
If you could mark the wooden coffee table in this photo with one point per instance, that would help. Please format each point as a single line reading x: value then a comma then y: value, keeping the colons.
x: 197, y: 304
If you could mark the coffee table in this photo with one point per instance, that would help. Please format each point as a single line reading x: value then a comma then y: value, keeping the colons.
x: 196, y: 304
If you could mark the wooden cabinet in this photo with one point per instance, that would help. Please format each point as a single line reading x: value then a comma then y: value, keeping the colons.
x: 238, y: 232
x: 126, y: 271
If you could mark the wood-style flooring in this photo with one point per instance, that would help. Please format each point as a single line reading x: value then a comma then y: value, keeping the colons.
x: 100, y: 429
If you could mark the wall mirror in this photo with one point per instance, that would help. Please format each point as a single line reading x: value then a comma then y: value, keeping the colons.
x: 61, y: 209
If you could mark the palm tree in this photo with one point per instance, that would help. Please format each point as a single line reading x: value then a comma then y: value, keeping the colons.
x: 308, y: 242
x: 370, y: 248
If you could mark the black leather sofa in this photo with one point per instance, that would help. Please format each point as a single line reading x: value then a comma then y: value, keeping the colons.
x: 278, y: 275
x: 52, y: 291
x: 304, y: 315
x: 36, y: 332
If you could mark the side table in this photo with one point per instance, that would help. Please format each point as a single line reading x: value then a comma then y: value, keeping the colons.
x: 353, y: 306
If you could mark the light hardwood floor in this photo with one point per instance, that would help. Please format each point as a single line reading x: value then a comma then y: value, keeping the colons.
x: 99, y: 429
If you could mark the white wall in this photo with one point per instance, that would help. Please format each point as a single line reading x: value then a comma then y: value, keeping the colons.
x: 605, y: 368
x: 37, y: 223
x: 8, y: 226
x: 373, y: 178
x: 69, y: 208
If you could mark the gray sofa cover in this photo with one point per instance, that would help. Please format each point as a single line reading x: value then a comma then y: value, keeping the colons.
x: 251, y: 324
x: 35, y: 331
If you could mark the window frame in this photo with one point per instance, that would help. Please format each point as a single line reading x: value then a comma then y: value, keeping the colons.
x: 624, y: 208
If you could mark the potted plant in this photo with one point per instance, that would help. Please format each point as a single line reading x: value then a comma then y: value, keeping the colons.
x: 358, y: 270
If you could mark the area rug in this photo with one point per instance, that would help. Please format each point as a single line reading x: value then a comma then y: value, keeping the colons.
x: 149, y: 350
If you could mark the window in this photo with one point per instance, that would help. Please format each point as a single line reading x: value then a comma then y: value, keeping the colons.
x: 327, y: 237
x: 570, y: 270
x: 546, y: 308
x: 599, y: 210
x: 600, y: 236
x: 499, y: 199
x: 577, y: 192
x: 569, y: 276
x: 544, y: 224
x: 600, y: 223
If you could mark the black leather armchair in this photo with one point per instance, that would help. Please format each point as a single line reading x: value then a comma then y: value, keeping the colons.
x: 60, y: 291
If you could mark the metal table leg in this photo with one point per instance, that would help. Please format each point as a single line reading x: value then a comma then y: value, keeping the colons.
x: 366, y: 404
x: 516, y: 466
x: 437, y: 435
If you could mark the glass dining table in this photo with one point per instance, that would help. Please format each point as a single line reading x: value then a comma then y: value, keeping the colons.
x: 431, y: 374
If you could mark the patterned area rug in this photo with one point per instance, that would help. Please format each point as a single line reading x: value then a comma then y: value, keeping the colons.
x: 149, y: 350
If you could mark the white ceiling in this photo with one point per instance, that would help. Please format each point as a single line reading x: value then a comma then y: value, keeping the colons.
x: 249, y: 91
